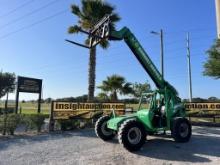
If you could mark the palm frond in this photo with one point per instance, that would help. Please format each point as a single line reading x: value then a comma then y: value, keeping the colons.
x: 76, y: 11
x: 115, y: 18
x: 85, y: 24
x: 104, y: 44
x: 127, y: 89
x: 73, y: 29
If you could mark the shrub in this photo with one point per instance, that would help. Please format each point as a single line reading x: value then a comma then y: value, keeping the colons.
x: 89, y: 123
x: 34, y: 121
x: 3, y: 124
x: 69, y: 124
x: 9, y: 122
x: 13, y: 121
x: 9, y: 110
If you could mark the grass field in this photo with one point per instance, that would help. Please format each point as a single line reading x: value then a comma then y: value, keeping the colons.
x: 30, y: 108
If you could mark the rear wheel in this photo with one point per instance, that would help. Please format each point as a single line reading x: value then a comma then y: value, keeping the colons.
x: 132, y: 135
x: 101, y: 129
x: 181, y: 130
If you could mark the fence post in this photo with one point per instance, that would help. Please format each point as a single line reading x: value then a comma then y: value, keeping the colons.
x: 20, y: 109
x: 51, y: 120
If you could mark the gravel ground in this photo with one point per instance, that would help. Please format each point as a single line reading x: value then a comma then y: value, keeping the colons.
x: 83, y: 147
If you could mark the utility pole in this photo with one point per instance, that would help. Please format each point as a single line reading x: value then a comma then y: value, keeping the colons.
x: 189, y: 68
x: 161, y: 53
x: 217, y: 7
x: 161, y: 50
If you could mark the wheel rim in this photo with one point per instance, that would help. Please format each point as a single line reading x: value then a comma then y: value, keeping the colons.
x: 105, y: 130
x: 134, y: 135
x: 184, y: 130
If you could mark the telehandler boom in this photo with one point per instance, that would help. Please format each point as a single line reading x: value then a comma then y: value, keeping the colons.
x: 165, y: 111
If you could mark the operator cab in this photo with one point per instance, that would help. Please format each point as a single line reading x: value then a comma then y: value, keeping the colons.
x: 154, y: 102
x: 145, y: 101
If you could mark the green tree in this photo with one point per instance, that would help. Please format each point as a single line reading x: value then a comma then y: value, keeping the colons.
x: 212, y: 65
x: 139, y: 88
x: 115, y: 85
x: 7, y: 85
x: 48, y: 100
x: 213, y: 99
x: 89, y: 13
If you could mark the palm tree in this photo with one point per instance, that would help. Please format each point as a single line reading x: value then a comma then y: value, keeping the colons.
x: 88, y: 15
x: 103, y: 96
x: 116, y: 84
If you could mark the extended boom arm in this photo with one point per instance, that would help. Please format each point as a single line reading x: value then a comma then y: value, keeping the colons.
x: 139, y: 53
x: 126, y: 35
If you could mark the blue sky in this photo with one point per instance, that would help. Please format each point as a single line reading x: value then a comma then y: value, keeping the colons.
x: 32, y: 44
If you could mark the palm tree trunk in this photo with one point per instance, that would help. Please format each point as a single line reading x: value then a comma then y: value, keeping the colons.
x: 115, y: 97
x: 92, y: 76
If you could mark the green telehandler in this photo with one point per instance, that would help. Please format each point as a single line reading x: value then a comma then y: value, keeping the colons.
x: 165, y: 111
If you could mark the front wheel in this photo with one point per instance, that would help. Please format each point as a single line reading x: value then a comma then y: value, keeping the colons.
x: 132, y: 135
x: 101, y: 129
x: 181, y: 130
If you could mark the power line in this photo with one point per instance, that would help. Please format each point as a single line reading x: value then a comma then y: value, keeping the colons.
x: 182, y: 47
x: 29, y: 14
x: 172, y: 42
x: 194, y: 38
x: 17, y: 8
x: 33, y: 24
x: 200, y: 46
x: 189, y: 30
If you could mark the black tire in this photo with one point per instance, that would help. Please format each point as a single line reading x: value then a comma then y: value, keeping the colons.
x: 132, y: 135
x: 101, y: 129
x: 181, y: 130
